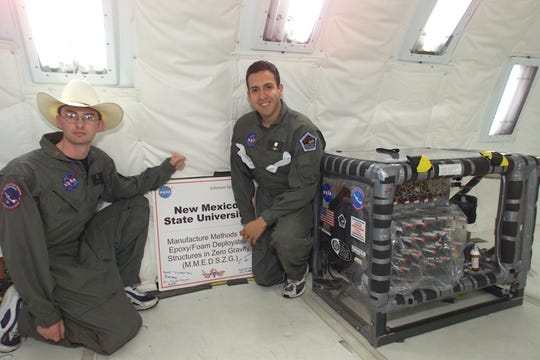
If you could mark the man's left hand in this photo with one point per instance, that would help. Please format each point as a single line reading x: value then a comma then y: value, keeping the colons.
x: 178, y: 161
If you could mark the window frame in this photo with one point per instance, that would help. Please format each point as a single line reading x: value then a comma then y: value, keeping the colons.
x: 254, y: 22
x: 118, y: 48
x: 494, y: 99
x: 418, y: 20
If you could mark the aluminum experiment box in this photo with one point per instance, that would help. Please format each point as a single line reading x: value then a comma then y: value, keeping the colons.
x: 392, y: 253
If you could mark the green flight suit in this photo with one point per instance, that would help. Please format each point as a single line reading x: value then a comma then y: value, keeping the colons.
x: 284, y: 161
x: 68, y: 260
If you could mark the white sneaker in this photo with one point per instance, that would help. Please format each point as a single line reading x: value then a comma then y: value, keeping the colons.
x: 295, y: 288
x: 139, y: 299
x: 9, y: 312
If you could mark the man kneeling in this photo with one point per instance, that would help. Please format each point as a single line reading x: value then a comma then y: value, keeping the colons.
x: 74, y: 268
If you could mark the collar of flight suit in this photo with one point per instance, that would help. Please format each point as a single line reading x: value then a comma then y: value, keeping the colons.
x: 282, y: 114
x: 48, y: 144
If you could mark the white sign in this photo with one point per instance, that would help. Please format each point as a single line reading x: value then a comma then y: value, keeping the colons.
x: 450, y: 169
x: 198, y: 233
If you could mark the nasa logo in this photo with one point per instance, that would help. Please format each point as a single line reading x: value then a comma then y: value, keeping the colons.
x: 70, y: 181
x: 251, y: 140
x: 165, y: 191
x: 327, y: 192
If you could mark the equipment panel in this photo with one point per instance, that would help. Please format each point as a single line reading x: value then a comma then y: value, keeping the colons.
x: 393, y: 237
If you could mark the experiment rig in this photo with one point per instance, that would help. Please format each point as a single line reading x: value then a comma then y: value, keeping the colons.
x: 394, y: 255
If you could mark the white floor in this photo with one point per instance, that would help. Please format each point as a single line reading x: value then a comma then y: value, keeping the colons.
x: 251, y: 322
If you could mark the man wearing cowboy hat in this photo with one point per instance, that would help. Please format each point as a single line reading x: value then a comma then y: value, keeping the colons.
x: 73, y: 267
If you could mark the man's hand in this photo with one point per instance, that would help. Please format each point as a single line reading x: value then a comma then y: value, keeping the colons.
x: 253, y: 230
x: 54, y: 333
x: 178, y: 161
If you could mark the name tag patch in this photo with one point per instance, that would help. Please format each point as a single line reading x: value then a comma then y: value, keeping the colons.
x: 97, y: 179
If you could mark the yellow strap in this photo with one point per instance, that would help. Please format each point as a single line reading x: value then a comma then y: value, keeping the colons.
x: 424, y: 165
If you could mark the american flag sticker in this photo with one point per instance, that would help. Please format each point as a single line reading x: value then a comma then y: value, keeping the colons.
x: 327, y: 216
x: 358, y: 229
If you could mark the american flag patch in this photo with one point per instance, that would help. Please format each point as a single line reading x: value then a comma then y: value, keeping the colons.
x: 327, y: 216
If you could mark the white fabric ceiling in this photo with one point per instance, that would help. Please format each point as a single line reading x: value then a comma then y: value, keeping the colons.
x: 189, y: 86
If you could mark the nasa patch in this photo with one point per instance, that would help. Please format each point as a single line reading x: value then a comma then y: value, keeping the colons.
x: 251, y: 140
x: 308, y: 142
x: 11, y: 196
x: 70, y: 182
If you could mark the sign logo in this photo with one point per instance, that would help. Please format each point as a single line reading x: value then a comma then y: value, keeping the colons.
x: 213, y: 273
x: 164, y: 191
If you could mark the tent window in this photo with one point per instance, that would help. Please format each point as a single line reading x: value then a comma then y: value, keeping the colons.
x: 285, y: 25
x: 291, y: 21
x: 73, y: 38
x: 508, y: 99
x: 435, y: 29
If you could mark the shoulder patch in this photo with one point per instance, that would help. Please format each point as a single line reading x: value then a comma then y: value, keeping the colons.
x: 308, y: 142
x: 11, y: 196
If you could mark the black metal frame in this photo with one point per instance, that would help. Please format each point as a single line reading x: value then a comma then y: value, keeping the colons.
x: 378, y: 333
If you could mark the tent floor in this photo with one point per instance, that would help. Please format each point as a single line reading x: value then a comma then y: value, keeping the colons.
x: 247, y: 321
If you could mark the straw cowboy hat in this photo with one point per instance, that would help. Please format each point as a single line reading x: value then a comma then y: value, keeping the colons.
x: 79, y: 93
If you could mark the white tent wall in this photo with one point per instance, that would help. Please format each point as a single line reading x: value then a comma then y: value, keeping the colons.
x: 189, y: 88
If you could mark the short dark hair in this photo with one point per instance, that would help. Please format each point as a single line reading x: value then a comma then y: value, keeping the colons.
x: 262, y: 65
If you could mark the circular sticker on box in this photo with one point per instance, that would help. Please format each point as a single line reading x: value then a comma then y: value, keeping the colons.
x: 357, y: 198
x: 327, y: 192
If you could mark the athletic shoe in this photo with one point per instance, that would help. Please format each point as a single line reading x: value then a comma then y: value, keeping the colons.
x: 295, y: 288
x: 9, y: 311
x: 139, y: 299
